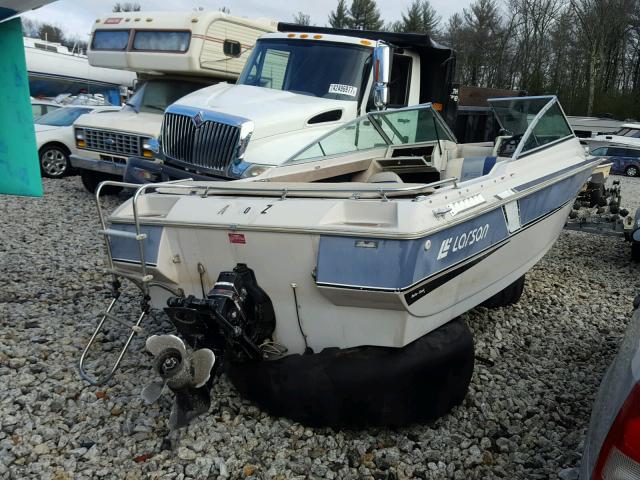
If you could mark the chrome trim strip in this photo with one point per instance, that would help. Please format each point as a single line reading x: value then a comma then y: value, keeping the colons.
x: 359, y: 233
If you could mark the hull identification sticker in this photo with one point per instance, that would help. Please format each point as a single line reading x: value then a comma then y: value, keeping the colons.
x: 343, y: 89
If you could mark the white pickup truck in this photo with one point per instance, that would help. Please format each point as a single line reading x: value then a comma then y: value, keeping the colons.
x: 173, y: 54
x: 298, y: 84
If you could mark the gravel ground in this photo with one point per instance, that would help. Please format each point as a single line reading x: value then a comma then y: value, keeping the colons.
x: 538, y: 366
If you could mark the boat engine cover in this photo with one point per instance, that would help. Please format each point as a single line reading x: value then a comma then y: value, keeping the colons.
x: 234, y: 318
x: 364, y: 386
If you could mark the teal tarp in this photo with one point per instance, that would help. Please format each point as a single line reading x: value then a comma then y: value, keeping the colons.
x: 19, y: 169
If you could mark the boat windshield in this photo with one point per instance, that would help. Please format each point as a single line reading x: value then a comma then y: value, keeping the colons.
x: 292, y: 65
x: 378, y: 130
x: 534, y: 121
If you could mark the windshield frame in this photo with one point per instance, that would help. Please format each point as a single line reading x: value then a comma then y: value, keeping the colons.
x: 376, y: 123
x: 552, y: 100
x: 63, y: 112
x: 364, y: 74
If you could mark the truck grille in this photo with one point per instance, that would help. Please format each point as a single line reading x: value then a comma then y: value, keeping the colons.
x: 112, y: 142
x: 210, y: 147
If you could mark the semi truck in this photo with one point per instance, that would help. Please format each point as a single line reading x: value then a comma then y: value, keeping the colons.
x: 298, y: 84
x: 173, y: 54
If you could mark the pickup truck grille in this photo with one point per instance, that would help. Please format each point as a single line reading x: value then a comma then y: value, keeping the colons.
x: 209, y: 147
x: 112, y: 142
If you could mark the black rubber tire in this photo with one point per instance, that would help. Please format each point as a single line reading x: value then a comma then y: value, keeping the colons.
x: 91, y: 180
x: 364, y: 386
x: 632, y: 171
x: 507, y: 296
x: 54, y: 160
x: 635, y: 251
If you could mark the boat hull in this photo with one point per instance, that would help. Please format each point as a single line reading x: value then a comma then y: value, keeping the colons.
x: 330, y: 291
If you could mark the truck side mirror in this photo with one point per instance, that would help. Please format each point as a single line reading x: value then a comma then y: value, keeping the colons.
x: 381, y: 75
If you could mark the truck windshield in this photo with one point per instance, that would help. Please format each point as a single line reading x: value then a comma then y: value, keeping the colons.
x: 316, y: 68
x: 62, y: 117
x: 156, y: 95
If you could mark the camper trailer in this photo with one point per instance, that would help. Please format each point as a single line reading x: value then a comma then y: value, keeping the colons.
x: 173, y: 55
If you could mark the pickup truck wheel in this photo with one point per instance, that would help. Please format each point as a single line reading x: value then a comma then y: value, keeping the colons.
x: 91, y: 180
x: 54, y: 161
x: 632, y: 171
x: 507, y: 296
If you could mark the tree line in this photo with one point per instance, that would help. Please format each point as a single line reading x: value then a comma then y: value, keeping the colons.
x: 585, y: 51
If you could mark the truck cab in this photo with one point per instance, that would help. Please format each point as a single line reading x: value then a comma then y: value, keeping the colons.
x: 173, y: 54
x: 298, y: 84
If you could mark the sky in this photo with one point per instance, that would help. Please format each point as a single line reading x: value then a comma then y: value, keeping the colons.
x: 76, y: 16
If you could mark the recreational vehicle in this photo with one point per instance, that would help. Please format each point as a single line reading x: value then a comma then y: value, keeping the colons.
x: 173, y: 54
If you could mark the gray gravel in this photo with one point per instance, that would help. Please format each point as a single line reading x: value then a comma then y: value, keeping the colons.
x: 538, y: 366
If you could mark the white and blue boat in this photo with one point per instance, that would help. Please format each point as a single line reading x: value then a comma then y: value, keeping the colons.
x: 330, y: 287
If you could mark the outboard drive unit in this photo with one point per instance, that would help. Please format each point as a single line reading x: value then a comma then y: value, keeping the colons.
x: 234, y: 318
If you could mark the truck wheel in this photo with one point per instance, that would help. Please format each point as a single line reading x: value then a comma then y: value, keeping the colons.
x: 632, y: 171
x: 507, y: 296
x: 91, y: 180
x: 635, y: 251
x: 54, y: 161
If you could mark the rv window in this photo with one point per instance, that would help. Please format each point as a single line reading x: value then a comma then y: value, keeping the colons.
x: 155, y: 95
x: 231, y: 48
x: 110, y: 40
x: 162, y: 41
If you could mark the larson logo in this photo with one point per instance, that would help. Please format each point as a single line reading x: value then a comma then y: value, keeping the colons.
x: 462, y: 241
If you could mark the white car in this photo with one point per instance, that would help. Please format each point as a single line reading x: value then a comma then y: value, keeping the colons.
x: 55, y: 139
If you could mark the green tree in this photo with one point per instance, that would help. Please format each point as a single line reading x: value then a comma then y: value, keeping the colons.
x: 302, y: 18
x: 412, y: 19
x: 420, y: 17
x: 339, y: 18
x: 430, y: 19
x: 364, y: 15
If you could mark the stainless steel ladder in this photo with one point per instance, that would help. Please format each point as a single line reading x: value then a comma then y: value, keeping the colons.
x: 142, y: 281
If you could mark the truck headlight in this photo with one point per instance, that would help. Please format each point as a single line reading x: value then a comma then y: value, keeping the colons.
x: 149, y: 147
x: 253, y: 170
x: 80, y: 140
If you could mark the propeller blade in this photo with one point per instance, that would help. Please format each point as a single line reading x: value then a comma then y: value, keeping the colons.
x: 157, y: 343
x: 151, y: 392
x: 188, y: 404
x: 202, y: 362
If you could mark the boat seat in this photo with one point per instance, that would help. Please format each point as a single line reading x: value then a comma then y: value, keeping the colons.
x: 385, y: 177
x: 469, y: 167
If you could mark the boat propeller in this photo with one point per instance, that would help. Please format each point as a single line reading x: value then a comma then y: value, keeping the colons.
x: 186, y: 375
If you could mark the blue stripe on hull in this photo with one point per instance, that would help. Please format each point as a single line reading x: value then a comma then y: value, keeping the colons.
x: 398, y: 264
x: 370, y: 263
x: 127, y: 250
x: 543, y: 201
